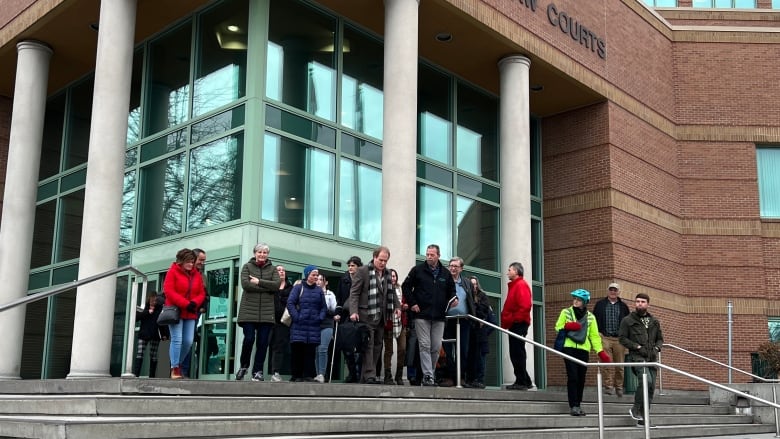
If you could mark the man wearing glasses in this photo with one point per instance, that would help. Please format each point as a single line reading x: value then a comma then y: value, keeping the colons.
x: 465, y: 306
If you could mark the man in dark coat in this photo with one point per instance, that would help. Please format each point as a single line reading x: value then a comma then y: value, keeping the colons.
x: 429, y: 291
x: 640, y: 333
x: 609, y: 312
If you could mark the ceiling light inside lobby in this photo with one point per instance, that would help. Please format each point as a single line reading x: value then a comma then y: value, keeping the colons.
x: 444, y: 37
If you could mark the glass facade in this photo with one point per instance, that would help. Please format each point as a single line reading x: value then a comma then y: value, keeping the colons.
x: 316, y: 157
x: 661, y: 3
x: 741, y: 4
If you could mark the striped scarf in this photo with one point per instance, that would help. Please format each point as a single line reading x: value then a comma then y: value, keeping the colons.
x: 373, y: 293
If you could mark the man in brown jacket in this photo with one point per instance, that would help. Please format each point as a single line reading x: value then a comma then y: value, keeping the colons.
x: 372, y: 300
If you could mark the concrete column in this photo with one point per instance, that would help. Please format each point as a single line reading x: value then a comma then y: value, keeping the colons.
x: 399, y: 148
x: 94, y: 318
x: 515, y: 138
x: 21, y: 189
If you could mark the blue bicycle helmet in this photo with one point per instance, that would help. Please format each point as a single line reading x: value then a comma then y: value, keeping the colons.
x: 581, y: 294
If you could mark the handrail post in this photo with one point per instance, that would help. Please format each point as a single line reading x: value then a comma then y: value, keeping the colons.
x: 660, y: 376
x: 730, y: 307
x: 129, y: 357
x: 646, y: 403
x: 774, y: 399
x: 599, y: 382
x: 457, y: 353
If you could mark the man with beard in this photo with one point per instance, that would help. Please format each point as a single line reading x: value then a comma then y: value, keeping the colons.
x: 640, y: 333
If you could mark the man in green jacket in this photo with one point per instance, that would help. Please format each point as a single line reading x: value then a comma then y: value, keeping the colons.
x: 640, y: 333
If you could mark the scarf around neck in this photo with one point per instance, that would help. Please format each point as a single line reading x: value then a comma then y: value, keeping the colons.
x: 373, y: 293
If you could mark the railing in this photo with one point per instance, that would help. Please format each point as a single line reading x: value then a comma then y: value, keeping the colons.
x: 599, y: 378
x: 77, y: 283
x: 669, y: 345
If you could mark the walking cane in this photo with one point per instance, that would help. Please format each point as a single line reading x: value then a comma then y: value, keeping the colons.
x: 335, y: 336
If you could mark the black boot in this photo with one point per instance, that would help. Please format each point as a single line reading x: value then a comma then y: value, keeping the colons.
x: 399, y: 376
x: 152, y: 369
x: 388, y: 377
x: 137, y: 366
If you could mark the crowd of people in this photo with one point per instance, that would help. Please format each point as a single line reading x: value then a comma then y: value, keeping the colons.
x: 377, y: 313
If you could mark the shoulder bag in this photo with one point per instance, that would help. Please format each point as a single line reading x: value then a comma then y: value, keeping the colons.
x: 169, y: 316
x: 286, y: 317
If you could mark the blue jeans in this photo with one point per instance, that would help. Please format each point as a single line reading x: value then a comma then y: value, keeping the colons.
x: 260, y: 343
x: 326, y: 334
x: 182, y: 334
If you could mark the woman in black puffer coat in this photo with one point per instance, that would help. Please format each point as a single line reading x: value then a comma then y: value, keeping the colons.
x: 307, y: 309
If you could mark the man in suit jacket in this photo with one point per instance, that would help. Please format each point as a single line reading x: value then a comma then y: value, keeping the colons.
x: 372, y: 300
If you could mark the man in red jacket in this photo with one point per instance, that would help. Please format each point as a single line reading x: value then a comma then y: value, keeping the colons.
x: 516, y: 317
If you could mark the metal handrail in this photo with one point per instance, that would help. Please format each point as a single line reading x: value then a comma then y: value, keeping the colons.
x: 644, y: 367
x: 77, y: 283
x: 756, y: 377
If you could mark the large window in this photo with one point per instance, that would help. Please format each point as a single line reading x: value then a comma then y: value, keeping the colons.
x: 298, y: 184
x: 220, y: 68
x: 301, y: 61
x: 458, y: 193
x: 362, y: 99
x: 737, y: 4
x: 187, y: 178
x: 768, y: 181
x: 661, y: 3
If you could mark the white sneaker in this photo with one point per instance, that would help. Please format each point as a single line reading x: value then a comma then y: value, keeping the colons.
x: 258, y: 376
x: 276, y: 378
x: 319, y: 378
x: 636, y: 417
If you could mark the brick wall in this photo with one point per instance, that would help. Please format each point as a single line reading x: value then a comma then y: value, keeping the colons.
x: 5, y: 133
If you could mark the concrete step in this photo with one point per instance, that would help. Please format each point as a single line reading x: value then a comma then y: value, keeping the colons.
x: 115, y: 408
x: 404, y: 425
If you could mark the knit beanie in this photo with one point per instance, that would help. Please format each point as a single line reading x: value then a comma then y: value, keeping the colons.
x: 307, y: 271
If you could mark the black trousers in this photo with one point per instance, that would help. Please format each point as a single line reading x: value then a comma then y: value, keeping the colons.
x: 518, y: 356
x: 575, y: 375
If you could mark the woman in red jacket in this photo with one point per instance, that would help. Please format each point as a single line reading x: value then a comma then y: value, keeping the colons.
x: 183, y: 288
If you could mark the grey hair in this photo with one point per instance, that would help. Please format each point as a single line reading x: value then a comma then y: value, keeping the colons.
x: 459, y: 260
x: 518, y: 267
x: 260, y: 247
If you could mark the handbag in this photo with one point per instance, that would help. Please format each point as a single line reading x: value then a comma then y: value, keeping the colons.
x: 286, y: 317
x: 560, y: 340
x: 169, y: 315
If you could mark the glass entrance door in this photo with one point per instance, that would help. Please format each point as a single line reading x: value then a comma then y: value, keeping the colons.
x: 215, y: 350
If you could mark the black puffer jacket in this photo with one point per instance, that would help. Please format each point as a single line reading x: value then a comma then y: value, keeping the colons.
x: 430, y: 293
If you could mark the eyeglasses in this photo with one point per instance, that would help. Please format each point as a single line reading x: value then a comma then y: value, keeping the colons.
x: 455, y: 266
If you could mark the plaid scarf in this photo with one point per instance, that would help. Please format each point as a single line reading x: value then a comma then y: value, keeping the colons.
x: 373, y: 293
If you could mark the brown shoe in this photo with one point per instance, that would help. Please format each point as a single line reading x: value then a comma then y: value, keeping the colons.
x: 619, y: 392
x: 176, y: 373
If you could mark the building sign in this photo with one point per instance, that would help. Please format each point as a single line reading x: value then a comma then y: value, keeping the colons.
x: 572, y: 27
